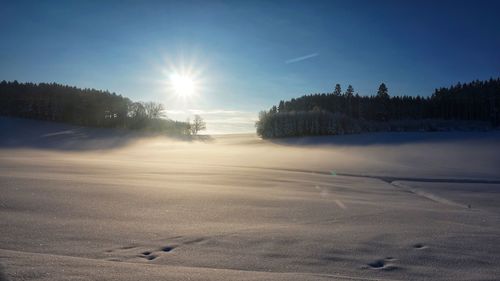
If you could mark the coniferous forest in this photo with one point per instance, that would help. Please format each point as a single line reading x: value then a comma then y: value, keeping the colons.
x: 85, y: 107
x: 468, y: 106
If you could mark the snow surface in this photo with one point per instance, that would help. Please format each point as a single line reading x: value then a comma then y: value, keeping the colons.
x: 89, y: 204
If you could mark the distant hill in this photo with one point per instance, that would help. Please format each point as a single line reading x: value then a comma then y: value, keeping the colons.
x: 84, y: 107
x: 468, y: 106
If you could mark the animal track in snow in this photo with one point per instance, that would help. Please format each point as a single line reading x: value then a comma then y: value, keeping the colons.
x: 167, y: 248
x: 383, y: 265
x: 419, y: 246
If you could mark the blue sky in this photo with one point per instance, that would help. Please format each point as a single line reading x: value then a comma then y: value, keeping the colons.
x: 249, y: 54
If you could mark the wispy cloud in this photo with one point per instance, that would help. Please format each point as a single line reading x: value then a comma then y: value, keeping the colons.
x: 199, y: 111
x: 306, y: 57
x: 220, y: 121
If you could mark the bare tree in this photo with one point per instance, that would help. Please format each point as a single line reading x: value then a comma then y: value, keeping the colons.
x: 197, y: 125
x: 146, y: 110
x: 154, y: 110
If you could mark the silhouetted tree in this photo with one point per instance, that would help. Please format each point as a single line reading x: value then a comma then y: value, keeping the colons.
x: 281, y: 106
x: 382, y: 113
x: 338, y: 90
x: 349, y: 95
x: 383, y: 92
x: 197, y: 125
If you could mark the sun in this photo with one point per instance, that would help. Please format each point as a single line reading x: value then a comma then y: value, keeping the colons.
x: 182, y: 84
x: 183, y: 80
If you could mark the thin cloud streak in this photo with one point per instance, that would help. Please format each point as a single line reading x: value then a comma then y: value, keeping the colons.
x: 306, y: 57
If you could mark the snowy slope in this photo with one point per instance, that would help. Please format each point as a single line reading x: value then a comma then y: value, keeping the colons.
x: 239, y: 208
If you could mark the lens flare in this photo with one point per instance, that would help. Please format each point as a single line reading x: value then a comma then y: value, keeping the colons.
x: 183, y: 85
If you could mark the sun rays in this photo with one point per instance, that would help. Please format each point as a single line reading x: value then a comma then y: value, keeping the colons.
x: 183, y: 80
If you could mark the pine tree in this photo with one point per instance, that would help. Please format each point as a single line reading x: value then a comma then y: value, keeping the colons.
x: 383, y: 92
x: 349, y: 94
x: 338, y: 90
x: 281, y: 106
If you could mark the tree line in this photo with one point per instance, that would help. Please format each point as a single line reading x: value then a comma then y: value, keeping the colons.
x: 471, y: 105
x: 87, y: 107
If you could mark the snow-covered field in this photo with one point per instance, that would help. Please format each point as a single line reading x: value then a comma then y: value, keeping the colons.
x: 88, y: 204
